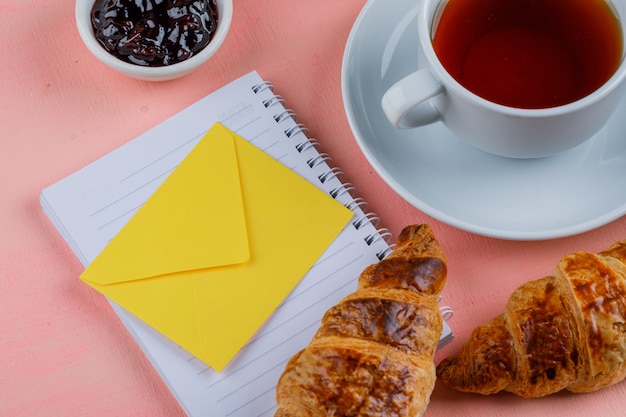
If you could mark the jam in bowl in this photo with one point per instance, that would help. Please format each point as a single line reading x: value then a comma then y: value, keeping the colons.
x: 153, y: 39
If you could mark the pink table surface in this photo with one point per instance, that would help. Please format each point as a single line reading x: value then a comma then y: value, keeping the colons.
x: 63, y: 352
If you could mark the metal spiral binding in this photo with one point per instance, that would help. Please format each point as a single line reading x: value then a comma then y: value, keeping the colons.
x: 265, y: 85
x: 307, y: 144
x: 318, y: 159
x: 274, y: 100
x: 446, y: 312
x: 367, y: 218
x: 383, y: 234
x: 334, y: 172
x: 299, y: 128
x: 357, y: 202
x: 286, y: 114
x: 345, y: 188
x: 383, y: 254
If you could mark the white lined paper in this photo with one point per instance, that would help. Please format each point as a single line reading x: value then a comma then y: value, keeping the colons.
x: 90, y: 206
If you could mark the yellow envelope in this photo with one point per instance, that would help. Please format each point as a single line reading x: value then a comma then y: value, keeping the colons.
x: 220, y: 244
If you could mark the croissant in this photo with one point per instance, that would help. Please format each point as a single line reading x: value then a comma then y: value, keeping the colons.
x: 564, y: 331
x: 373, y: 352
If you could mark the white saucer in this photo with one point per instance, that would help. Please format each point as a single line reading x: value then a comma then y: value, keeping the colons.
x: 449, y: 180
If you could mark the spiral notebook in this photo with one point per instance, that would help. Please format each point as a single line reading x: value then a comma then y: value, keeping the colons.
x: 90, y: 206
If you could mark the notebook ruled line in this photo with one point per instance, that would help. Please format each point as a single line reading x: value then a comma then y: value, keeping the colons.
x: 121, y: 216
x: 250, y: 381
x: 269, y: 411
x: 129, y: 193
x: 245, y: 404
x: 194, y: 139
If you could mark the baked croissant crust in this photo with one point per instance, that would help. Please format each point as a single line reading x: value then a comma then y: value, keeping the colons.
x: 564, y: 331
x: 373, y: 353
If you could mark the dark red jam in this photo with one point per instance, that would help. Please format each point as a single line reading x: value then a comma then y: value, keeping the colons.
x: 154, y: 33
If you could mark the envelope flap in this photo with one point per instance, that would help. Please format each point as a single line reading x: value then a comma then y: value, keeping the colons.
x: 291, y: 223
x: 195, y: 220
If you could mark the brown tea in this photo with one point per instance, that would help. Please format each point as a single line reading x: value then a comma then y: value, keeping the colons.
x: 529, y: 53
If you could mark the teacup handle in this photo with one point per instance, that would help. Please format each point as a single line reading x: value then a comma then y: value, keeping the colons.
x: 406, y: 103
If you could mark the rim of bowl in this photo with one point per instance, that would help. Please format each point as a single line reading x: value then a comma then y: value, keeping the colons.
x: 83, y: 23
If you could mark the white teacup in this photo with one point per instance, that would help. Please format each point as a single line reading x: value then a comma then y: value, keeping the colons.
x: 431, y: 94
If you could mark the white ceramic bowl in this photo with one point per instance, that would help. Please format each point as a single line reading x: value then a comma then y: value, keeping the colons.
x: 168, y: 72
